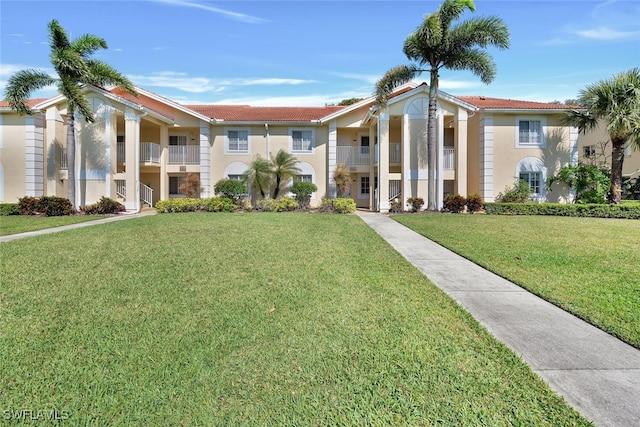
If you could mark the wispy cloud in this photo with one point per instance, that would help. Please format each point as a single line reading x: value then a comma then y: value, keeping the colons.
x: 186, y: 83
x: 367, y: 78
x: 230, y: 14
x: 7, y: 70
x: 446, y: 84
x: 605, y: 33
x: 291, y: 101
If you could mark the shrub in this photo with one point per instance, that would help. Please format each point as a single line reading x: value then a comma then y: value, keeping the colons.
x: 103, y: 206
x: 55, y: 206
x: 454, y: 203
x: 282, y: 204
x: 474, y: 203
x: 631, y: 189
x: 415, y: 203
x: 520, y: 192
x: 218, y: 204
x: 589, y: 182
x: 342, y: 205
x: 395, y: 206
x: 7, y: 209
x: 178, y: 205
x: 28, y: 205
x: 342, y: 178
x: 303, y: 191
x: 190, y: 186
x: 230, y: 188
x: 561, y: 209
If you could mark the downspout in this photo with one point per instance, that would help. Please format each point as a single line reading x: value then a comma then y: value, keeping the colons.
x: 266, y: 128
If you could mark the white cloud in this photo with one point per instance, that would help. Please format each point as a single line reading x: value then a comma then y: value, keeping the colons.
x: 445, y: 84
x: 367, y: 78
x: 186, y: 83
x: 605, y: 33
x: 233, y: 15
x: 311, y: 100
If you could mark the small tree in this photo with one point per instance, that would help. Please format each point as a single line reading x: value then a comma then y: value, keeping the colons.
x: 230, y: 188
x: 303, y: 191
x: 258, y: 175
x: 190, y: 187
x: 283, y: 167
x: 342, y: 178
x: 589, y: 182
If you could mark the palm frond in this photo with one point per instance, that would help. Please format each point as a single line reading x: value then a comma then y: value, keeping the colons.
x: 22, y: 84
x: 102, y: 74
x: 392, y: 79
x: 76, y: 99
x: 58, y: 38
x: 479, y: 31
x: 451, y: 10
x: 69, y: 63
x: 475, y: 60
x: 87, y: 44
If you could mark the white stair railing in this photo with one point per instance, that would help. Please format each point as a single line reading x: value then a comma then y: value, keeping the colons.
x: 146, y: 194
x: 395, y: 190
x: 121, y: 188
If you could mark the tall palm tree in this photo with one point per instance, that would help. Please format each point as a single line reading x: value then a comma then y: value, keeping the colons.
x: 617, y: 103
x: 258, y: 175
x: 283, y: 167
x: 74, y: 68
x: 437, y: 44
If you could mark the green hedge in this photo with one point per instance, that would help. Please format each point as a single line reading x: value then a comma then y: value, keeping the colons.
x: 212, y: 204
x: 341, y: 205
x: 561, y: 209
x: 7, y: 209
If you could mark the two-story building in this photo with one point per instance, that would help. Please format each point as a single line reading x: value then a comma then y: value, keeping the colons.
x: 139, y: 149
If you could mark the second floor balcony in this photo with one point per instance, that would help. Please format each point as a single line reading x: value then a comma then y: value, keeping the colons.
x: 150, y: 152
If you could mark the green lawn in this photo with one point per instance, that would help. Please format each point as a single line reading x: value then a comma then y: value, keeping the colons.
x: 21, y: 224
x: 248, y: 319
x: 588, y: 266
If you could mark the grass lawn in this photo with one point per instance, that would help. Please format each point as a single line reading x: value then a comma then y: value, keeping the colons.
x: 248, y: 319
x: 14, y: 224
x: 588, y: 266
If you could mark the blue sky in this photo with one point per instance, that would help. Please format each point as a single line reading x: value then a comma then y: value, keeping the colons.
x: 318, y: 52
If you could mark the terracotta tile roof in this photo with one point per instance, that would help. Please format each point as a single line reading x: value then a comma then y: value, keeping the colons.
x: 30, y: 102
x: 510, y: 104
x: 247, y: 113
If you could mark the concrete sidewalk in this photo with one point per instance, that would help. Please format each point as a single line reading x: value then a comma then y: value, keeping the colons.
x: 42, y: 232
x: 596, y: 373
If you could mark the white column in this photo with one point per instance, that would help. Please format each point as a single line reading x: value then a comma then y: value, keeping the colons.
x: 108, y: 134
x: 332, y: 158
x: 486, y: 157
x: 205, y: 161
x: 440, y: 161
x: 406, y: 161
x: 132, y: 141
x: 164, y: 158
x: 34, y: 155
x: 460, y: 153
x: 383, y: 162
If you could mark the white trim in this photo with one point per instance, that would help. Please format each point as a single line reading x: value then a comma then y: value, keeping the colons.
x: 543, y: 131
x: 362, y: 195
x: 418, y: 108
x: 34, y: 155
x: 573, y: 145
x: 235, y: 168
x: 313, y: 141
x: 439, y: 172
x: 205, y: 161
x: 332, y: 158
x: 227, y: 151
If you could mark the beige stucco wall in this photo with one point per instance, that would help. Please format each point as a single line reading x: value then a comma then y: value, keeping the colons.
x: 12, y: 157
x: 600, y: 139
x: 473, y: 154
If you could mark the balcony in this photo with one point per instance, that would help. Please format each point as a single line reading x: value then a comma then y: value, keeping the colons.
x: 184, y: 155
x: 149, y: 152
x: 449, y: 158
x: 352, y: 156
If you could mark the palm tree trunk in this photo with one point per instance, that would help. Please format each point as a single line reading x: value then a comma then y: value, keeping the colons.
x: 431, y: 140
x: 617, y: 160
x: 71, y: 158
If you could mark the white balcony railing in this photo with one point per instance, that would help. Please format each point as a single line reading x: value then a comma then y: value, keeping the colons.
x: 121, y: 152
x: 449, y: 158
x: 394, y: 153
x: 184, y: 155
x: 350, y: 155
x: 149, y: 152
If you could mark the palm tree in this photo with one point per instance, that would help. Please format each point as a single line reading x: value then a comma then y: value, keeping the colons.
x: 617, y: 102
x: 283, y: 167
x: 74, y: 68
x: 258, y: 175
x: 438, y: 44
x: 342, y: 177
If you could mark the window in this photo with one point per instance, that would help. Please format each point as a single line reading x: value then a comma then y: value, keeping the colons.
x: 364, y: 146
x: 303, y: 178
x: 364, y: 185
x: 177, y: 139
x: 529, y: 132
x: 174, y: 184
x: 302, y: 141
x: 589, y: 151
x: 534, y: 179
x: 237, y: 141
x: 234, y: 177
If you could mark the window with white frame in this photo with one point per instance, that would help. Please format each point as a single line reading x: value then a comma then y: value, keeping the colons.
x: 534, y: 179
x: 303, y: 178
x: 234, y: 177
x: 237, y: 141
x: 302, y: 140
x: 530, y: 132
x: 178, y: 140
x: 364, y: 186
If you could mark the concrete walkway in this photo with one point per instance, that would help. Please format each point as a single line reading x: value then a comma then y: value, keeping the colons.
x: 120, y: 217
x: 596, y: 373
